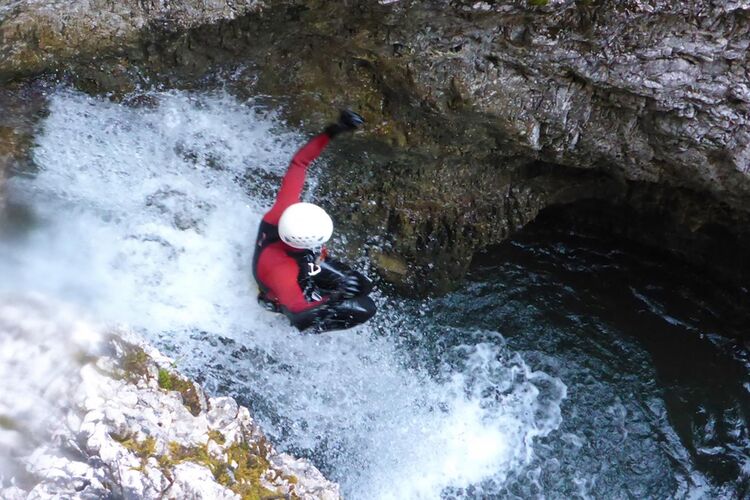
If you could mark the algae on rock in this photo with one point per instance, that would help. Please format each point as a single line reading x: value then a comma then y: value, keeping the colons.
x: 172, y: 382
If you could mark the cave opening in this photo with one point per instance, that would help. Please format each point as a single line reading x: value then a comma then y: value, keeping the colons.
x: 701, y: 261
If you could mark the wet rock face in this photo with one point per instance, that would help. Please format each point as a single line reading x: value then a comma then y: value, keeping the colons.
x: 7, y: 144
x: 36, y: 36
x: 425, y: 217
x: 19, y: 107
x: 480, y: 114
x: 644, y: 92
x: 654, y: 90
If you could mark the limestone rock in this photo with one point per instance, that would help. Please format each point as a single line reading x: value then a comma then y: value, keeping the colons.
x: 91, y: 415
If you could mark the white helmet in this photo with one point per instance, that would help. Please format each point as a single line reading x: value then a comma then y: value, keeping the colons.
x: 305, y: 226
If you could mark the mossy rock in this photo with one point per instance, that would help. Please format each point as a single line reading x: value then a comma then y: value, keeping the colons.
x: 134, y: 363
x: 244, y: 478
x: 11, y: 143
x: 217, y: 436
x: 142, y: 449
x: 190, y: 395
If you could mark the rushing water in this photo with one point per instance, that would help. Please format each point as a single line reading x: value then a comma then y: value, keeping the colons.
x: 524, y: 383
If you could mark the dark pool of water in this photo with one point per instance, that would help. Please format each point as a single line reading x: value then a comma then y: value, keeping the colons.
x: 652, y: 354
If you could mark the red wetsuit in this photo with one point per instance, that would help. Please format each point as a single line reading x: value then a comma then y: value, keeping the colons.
x: 277, y: 267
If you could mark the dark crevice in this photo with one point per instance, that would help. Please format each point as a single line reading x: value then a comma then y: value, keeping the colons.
x: 658, y: 223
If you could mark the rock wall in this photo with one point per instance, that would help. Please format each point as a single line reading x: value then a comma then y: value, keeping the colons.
x: 87, y: 414
x: 494, y: 108
x: 20, y: 105
x: 480, y: 114
x: 38, y: 35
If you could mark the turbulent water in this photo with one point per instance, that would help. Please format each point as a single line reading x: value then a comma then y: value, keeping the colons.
x: 521, y: 384
x: 658, y: 398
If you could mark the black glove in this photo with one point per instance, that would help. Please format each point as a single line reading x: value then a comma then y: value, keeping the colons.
x: 348, y: 120
x: 348, y: 286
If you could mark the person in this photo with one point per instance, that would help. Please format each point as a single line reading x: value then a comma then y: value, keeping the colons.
x: 290, y: 265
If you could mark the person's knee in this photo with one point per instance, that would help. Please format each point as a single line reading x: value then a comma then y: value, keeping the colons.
x: 367, y: 306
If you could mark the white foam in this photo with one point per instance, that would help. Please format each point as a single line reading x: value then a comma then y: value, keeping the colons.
x: 144, y: 219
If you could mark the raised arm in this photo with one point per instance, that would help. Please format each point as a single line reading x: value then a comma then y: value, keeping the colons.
x: 294, y: 179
